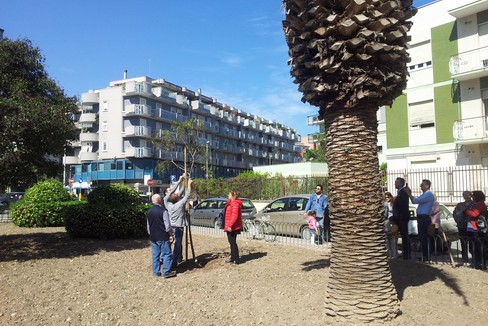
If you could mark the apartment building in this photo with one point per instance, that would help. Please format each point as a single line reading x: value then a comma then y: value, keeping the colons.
x: 117, y: 122
x: 440, y: 120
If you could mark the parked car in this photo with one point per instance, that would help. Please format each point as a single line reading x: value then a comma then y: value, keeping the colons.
x: 448, y: 223
x: 207, y: 212
x: 286, y: 215
x: 8, y: 198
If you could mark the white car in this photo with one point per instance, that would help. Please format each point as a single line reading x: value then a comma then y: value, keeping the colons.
x: 448, y: 223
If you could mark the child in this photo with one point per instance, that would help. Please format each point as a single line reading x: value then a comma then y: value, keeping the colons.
x: 313, y: 226
x: 391, y: 229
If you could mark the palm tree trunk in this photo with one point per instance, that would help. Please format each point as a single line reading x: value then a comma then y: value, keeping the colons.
x: 360, y: 287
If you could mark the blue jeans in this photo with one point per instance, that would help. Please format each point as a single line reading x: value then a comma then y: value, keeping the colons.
x: 177, y: 246
x: 161, y: 252
x: 320, y: 219
x: 423, y: 221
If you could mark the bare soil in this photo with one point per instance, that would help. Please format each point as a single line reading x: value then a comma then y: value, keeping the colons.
x: 48, y: 278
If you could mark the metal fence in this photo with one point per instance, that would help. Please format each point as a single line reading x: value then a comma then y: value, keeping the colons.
x: 4, y: 216
x: 448, y: 183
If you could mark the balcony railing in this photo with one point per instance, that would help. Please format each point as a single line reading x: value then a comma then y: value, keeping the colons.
x: 138, y: 152
x: 140, y: 131
x: 139, y: 109
x: 470, y: 64
x: 471, y: 130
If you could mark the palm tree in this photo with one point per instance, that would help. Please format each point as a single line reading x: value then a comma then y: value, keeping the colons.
x: 349, y: 58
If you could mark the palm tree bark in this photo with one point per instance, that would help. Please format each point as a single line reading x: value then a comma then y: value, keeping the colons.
x: 360, y: 287
x: 349, y: 58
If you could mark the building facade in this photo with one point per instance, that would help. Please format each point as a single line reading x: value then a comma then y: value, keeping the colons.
x: 441, y: 120
x: 117, y: 122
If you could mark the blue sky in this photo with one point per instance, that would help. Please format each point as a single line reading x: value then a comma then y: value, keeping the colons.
x: 234, y: 50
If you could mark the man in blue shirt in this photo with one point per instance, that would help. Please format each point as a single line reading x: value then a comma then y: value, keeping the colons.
x: 318, y: 203
x: 424, y: 208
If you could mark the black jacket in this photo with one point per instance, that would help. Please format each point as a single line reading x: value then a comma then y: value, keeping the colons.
x: 400, y: 206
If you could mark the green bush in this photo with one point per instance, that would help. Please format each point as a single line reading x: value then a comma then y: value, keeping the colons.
x: 32, y: 214
x: 107, y: 221
x: 47, y: 191
x: 114, y: 193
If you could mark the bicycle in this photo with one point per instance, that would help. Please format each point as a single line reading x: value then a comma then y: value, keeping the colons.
x: 259, y: 229
x: 267, y: 229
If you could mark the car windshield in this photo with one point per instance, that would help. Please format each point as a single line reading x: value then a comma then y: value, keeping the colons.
x: 246, y: 203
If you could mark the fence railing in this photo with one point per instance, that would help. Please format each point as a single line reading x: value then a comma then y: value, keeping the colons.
x: 448, y: 183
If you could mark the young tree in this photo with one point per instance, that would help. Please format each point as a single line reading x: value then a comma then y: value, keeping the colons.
x: 316, y: 154
x: 349, y: 58
x: 183, y: 135
x: 35, y: 117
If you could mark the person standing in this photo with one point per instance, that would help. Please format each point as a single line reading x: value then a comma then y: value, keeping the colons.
x: 161, y: 236
x: 478, y: 207
x: 176, y: 210
x: 233, y: 224
x: 401, y: 215
x: 391, y: 233
x: 462, y: 222
x: 318, y: 203
x: 425, y: 202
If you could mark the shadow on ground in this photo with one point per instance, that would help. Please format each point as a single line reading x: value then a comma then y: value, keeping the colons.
x: 203, y: 260
x: 43, y: 245
x: 316, y: 264
x: 410, y: 273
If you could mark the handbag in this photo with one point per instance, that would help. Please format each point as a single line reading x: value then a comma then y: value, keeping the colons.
x: 482, y: 224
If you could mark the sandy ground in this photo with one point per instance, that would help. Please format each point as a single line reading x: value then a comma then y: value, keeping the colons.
x: 49, y: 279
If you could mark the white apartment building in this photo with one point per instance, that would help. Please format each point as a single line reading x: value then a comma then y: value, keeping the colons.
x: 117, y: 122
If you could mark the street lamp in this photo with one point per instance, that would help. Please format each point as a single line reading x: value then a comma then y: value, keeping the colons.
x: 206, y: 159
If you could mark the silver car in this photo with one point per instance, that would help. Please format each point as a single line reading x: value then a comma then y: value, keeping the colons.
x: 287, y: 215
x: 207, y: 212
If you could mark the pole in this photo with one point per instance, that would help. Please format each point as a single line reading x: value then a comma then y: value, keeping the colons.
x: 206, y: 159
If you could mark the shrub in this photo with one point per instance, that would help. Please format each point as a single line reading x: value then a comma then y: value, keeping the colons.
x: 47, y: 191
x: 33, y: 214
x: 114, y: 193
x: 107, y: 221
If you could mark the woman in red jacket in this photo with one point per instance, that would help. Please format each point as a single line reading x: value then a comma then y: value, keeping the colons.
x: 472, y: 213
x: 233, y: 224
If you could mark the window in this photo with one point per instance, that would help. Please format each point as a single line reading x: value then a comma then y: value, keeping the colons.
x: 104, y: 126
x: 421, y: 114
x: 105, y: 106
x: 104, y: 146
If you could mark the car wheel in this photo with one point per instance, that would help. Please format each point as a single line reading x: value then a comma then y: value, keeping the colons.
x: 305, y: 233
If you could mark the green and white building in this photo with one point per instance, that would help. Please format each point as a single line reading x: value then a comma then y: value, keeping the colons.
x: 441, y: 120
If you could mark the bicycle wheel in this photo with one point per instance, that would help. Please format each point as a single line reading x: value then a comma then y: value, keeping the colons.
x: 258, y: 230
x: 247, y: 228
x: 269, y: 232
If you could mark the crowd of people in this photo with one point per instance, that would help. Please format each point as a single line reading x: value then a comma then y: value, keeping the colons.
x: 397, y: 215
x: 166, y: 221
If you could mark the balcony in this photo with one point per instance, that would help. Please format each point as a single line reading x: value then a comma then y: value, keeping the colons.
x: 138, y: 109
x: 88, y: 156
x: 88, y: 137
x: 469, y: 65
x: 138, y: 152
x: 88, y: 118
x: 313, y: 120
x: 89, y: 98
x: 70, y: 160
x: 138, y: 131
x: 470, y: 131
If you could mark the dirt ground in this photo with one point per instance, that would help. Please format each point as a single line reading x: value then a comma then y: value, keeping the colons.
x: 49, y: 279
